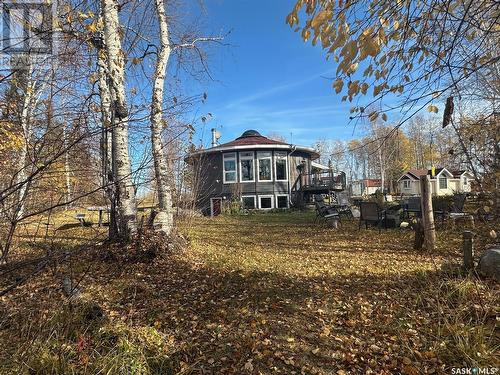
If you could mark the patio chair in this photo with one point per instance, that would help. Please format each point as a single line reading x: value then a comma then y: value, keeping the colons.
x: 457, y: 208
x: 343, y: 205
x: 318, y: 198
x: 325, y: 212
x: 371, y: 213
x: 412, y: 206
x: 443, y: 208
x: 440, y: 208
x: 458, y: 203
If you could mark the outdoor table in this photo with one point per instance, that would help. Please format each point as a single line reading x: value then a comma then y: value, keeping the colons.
x: 101, y: 209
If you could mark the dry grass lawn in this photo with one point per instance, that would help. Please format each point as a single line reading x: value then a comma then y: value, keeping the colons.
x: 264, y: 293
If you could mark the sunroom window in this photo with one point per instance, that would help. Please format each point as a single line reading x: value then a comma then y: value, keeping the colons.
x: 229, y: 168
x: 266, y: 202
x: 246, y: 167
x: 264, y: 163
x: 280, y: 166
x: 282, y: 201
x: 248, y: 202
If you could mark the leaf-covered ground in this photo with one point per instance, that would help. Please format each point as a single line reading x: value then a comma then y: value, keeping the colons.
x: 265, y: 293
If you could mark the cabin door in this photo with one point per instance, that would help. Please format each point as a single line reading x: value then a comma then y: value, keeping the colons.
x: 215, y: 206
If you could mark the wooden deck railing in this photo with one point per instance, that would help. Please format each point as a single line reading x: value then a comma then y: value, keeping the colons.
x: 326, y: 180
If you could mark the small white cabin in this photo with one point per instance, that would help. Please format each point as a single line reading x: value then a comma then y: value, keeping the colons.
x: 443, y: 182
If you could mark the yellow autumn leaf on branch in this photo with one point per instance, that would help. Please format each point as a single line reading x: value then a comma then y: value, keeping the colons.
x: 377, y: 89
x: 432, y: 108
x: 92, y: 27
x: 321, y: 18
x: 338, y: 84
x: 364, y: 88
x: 306, y: 33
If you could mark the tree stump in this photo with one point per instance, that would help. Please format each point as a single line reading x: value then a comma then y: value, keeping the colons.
x: 418, y: 227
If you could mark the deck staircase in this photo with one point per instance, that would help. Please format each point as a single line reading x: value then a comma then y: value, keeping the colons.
x: 308, y: 184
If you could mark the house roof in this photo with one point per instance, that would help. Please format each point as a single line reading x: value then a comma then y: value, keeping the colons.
x: 372, y: 182
x: 252, y: 140
x: 251, y: 137
x: 457, y: 174
x: 369, y: 182
x: 415, y: 174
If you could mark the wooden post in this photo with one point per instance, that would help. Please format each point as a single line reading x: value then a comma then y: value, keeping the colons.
x: 427, y: 214
x: 468, y: 250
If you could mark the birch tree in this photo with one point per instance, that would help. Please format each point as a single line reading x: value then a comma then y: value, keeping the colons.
x: 126, y: 213
x: 29, y: 95
x: 108, y: 171
x: 164, y: 219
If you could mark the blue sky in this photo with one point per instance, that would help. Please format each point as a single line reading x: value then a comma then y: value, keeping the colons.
x: 267, y: 78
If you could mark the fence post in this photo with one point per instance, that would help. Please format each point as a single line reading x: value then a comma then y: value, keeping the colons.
x: 468, y: 250
x: 427, y: 214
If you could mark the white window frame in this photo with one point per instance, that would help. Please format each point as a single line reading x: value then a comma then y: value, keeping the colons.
x: 406, y: 184
x: 254, y: 201
x: 265, y: 155
x: 287, y: 201
x: 280, y: 155
x: 230, y: 156
x: 246, y: 156
x: 439, y: 182
x: 266, y: 196
x: 466, y: 181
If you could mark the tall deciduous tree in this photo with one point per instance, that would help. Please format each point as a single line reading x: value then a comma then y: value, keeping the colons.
x: 124, y: 187
x: 164, y: 219
x: 108, y: 172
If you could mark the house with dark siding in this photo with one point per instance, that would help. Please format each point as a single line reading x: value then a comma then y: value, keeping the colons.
x: 260, y: 172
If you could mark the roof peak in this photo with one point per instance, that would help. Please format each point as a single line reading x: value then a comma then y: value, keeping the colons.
x: 250, y: 133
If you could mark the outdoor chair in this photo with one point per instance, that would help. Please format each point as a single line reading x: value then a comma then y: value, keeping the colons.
x: 343, y: 205
x: 412, y: 206
x: 440, y: 209
x: 325, y: 212
x: 318, y: 198
x: 371, y: 213
x: 458, y: 203
x: 443, y: 209
x: 457, y: 209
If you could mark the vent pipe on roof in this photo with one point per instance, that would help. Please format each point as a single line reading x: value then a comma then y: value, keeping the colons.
x: 215, y: 137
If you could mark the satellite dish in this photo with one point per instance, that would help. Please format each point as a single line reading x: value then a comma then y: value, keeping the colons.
x: 217, y: 135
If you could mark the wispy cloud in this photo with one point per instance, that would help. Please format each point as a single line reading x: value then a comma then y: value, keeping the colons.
x: 274, y: 90
x: 307, y: 122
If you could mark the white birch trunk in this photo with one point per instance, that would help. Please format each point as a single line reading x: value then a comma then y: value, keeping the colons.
x: 66, y: 167
x: 164, y: 219
x: 28, y: 102
x: 106, y: 118
x: 382, y: 167
x: 108, y: 171
x: 125, y: 191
